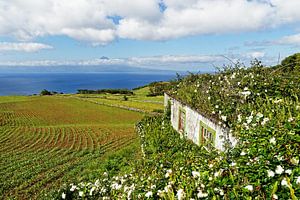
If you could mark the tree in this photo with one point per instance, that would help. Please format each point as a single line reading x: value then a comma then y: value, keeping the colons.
x: 291, y: 63
x: 125, y: 98
x: 45, y: 92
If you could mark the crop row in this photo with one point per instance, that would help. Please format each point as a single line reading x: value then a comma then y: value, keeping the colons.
x: 34, y: 158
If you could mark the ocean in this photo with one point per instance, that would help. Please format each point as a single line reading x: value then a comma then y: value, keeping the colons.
x: 33, y: 83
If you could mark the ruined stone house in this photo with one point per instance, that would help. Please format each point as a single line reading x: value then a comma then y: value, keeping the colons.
x: 193, y: 125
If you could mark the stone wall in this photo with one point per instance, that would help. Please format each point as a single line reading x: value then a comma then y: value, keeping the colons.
x: 192, y: 124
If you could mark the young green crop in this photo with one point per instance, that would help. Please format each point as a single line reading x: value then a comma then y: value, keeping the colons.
x: 47, y: 141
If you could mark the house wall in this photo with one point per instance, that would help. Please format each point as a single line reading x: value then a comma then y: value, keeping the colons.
x: 192, y: 124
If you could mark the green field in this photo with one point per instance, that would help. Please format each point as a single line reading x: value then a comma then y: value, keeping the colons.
x: 138, y: 101
x: 48, y: 141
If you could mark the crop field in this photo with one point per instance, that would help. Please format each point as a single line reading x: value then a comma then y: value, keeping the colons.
x: 139, y: 101
x: 48, y: 141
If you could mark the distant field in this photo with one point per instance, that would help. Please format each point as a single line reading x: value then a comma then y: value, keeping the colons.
x: 48, y: 141
x: 138, y: 101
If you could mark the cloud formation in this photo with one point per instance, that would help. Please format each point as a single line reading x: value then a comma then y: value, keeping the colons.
x: 23, y: 46
x: 168, y: 62
x: 93, y: 20
x: 289, y: 40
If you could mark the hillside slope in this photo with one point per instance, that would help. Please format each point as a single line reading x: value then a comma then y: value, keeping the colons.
x: 261, y: 107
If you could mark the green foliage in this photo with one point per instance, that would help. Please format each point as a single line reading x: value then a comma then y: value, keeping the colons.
x: 291, y: 63
x: 125, y: 98
x: 45, y: 92
x: 158, y: 111
x: 158, y: 88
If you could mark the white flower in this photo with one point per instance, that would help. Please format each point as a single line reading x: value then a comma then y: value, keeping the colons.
x: 246, y: 93
x: 195, y: 174
x: 218, y: 173
x: 73, y: 188
x: 243, y: 153
x: 80, y: 193
x: 221, y: 192
x: 246, y: 89
x: 239, y: 118
x: 259, y: 115
x: 273, y: 140
x: 201, y: 194
x: 249, y: 119
x: 284, y: 182
x: 271, y: 173
x: 274, y: 196
x: 63, y: 195
x: 97, y: 183
x: 290, y: 119
x: 92, y: 190
x: 278, y: 101
x: 216, y: 106
x: 195, y: 90
x: 168, y: 188
x: 279, y: 170
x: 295, y: 161
x: 160, y: 193
x: 116, y: 186
x: 148, y: 194
x: 210, y: 165
x: 249, y: 187
x: 288, y: 171
x: 129, y: 194
x: 224, y: 118
x: 208, y: 98
x: 180, y: 194
x: 298, y: 180
x: 265, y: 120
x: 169, y: 172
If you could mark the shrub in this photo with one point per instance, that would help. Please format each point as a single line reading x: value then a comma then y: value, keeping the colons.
x: 45, y: 92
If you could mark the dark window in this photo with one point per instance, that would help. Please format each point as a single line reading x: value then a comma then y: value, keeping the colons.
x: 182, y: 118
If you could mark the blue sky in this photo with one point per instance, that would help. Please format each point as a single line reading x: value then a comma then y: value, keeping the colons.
x: 159, y: 34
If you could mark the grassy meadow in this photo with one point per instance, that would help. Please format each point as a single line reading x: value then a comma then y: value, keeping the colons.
x: 47, y: 141
x: 139, y: 101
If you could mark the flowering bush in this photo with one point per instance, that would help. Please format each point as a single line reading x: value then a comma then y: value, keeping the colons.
x: 260, y: 107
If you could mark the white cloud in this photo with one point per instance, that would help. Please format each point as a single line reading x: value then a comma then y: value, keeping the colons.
x: 199, y: 17
x: 175, y: 59
x: 289, y: 40
x: 255, y: 54
x: 89, y: 20
x: 23, y: 46
x: 170, y: 62
x: 95, y: 36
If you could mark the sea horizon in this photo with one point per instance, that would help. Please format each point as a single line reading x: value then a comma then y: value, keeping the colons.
x: 12, y: 83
